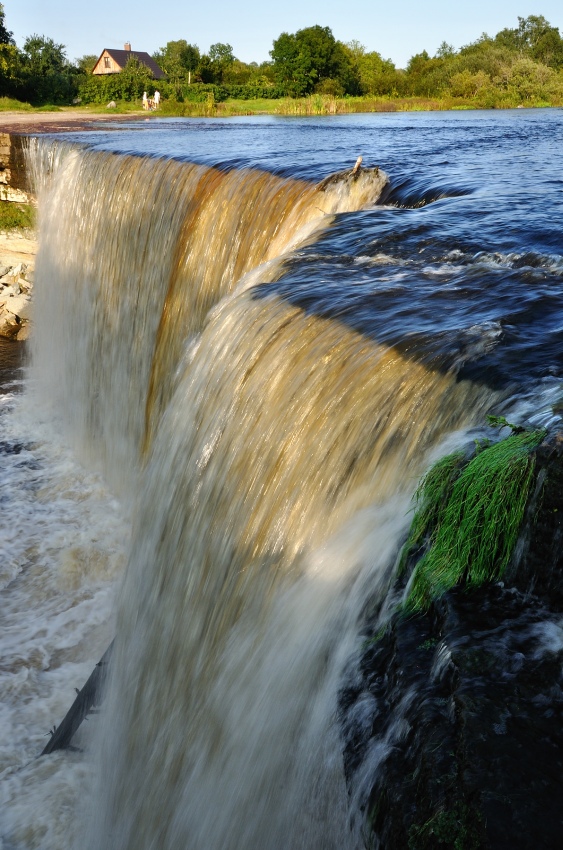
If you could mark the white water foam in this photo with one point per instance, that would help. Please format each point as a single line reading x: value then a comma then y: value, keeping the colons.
x: 62, y: 543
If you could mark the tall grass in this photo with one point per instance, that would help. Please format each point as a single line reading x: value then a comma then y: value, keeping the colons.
x: 8, y: 104
x: 187, y: 108
x: 316, y: 104
x: 16, y: 216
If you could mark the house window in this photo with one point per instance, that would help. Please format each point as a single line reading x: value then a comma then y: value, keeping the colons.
x: 107, y: 63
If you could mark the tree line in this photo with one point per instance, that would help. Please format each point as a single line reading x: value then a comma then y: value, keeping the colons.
x: 523, y: 64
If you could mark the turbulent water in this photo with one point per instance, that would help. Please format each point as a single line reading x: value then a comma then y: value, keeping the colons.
x: 238, y: 373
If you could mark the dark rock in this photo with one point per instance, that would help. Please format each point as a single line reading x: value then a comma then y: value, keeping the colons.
x: 460, y: 743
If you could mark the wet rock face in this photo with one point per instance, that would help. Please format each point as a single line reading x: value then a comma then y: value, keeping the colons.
x: 16, y: 284
x: 14, y: 181
x: 453, y: 724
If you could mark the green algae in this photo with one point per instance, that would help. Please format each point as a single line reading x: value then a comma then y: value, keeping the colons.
x: 469, y: 515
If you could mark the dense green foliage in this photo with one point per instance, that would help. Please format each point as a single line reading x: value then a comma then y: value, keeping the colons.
x: 128, y: 85
x: 5, y: 36
x: 39, y: 73
x: 16, y: 216
x: 179, y: 61
x: 469, y: 516
x: 522, y: 66
x: 312, y: 60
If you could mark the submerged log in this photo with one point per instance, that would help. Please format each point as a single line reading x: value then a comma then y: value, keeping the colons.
x: 87, y: 699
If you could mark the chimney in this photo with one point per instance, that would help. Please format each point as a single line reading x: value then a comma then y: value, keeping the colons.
x: 127, y: 46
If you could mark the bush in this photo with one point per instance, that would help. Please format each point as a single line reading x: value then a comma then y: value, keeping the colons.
x: 16, y: 215
x: 128, y: 85
x: 9, y: 104
x: 329, y: 86
x: 200, y: 92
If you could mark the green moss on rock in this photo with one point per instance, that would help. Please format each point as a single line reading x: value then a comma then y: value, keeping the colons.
x: 469, y: 516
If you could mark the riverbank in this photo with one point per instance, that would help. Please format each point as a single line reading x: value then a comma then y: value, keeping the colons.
x: 321, y: 104
x: 75, y: 118
x: 62, y: 121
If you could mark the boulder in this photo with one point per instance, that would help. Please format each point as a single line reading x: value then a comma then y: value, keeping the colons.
x: 7, y: 292
x: 19, y: 271
x: 452, y: 716
x: 10, y: 324
x: 19, y: 305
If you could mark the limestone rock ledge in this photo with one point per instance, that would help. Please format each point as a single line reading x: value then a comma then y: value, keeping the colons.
x: 17, y: 266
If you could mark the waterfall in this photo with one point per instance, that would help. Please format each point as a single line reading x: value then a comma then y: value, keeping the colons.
x: 270, y: 455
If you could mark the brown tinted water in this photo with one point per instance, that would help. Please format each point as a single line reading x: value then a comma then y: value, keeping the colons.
x: 12, y: 358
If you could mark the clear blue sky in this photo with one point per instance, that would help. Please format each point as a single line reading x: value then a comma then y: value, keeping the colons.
x: 396, y: 29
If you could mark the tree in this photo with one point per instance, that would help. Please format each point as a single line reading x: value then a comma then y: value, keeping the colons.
x: 291, y: 70
x: 526, y: 80
x: 532, y: 29
x: 178, y: 60
x: 375, y: 75
x: 345, y: 71
x: 221, y: 56
x: 465, y: 84
x: 221, y: 53
x: 303, y: 60
x: 428, y: 77
x: 238, y: 73
x: 134, y: 79
x: 485, y: 54
x: 46, y: 73
x: 86, y: 63
x: 5, y: 36
x: 535, y: 37
x: 42, y: 56
x: 445, y: 50
x: 10, y: 70
x: 548, y: 48
x: 9, y: 60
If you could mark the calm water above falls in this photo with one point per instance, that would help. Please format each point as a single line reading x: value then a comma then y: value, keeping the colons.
x: 264, y: 427
x: 466, y: 254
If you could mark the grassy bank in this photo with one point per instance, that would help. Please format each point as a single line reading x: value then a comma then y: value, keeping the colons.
x: 8, y: 104
x: 316, y: 104
x: 16, y: 216
x: 329, y: 105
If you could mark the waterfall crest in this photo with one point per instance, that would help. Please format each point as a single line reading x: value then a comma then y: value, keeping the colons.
x: 272, y: 453
x: 150, y: 245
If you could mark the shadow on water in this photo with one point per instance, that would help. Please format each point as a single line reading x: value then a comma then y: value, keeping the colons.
x: 423, y: 277
x: 12, y: 359
x: 459, y: 266
x: 461, y: 263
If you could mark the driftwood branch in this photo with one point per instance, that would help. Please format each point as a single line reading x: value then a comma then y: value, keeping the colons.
x: 351, y: 174
x: 88, y: 698
x: 357, y: 165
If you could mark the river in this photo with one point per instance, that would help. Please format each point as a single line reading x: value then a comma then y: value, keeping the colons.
x: 237, y: 376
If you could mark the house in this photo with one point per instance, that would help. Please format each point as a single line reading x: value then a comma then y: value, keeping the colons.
x: 114, y: 61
